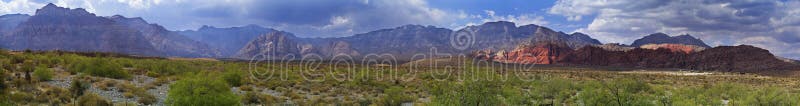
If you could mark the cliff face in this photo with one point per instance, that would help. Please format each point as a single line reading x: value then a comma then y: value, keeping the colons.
x: 57, y: 28
x: 404, y: 42
x: 168, y: 42
x: 539, y: 53
x: 228, y: 40
x: 271, y: 46
x: 10, y: 21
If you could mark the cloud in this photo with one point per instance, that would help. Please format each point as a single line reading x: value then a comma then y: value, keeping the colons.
x: 519, y: 19
x: 773, y: 23
x: 305, y: 18
x: 18, y: 6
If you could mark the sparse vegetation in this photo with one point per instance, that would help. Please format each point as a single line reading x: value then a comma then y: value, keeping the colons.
x: 43, y: 73
x: 212, y: 82
x: 200, y: 90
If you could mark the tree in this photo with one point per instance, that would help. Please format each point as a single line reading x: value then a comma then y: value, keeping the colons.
x: 201, y: 90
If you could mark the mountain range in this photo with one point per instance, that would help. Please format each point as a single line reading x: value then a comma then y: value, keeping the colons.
x: 58, y: 28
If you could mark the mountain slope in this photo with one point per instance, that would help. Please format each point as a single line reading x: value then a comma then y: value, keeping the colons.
x: 10, y: 21
x: 57, y: 28
x: 661, y: 38
x: 404, y: 42
x: 168, y: 42
x: 227, y: 40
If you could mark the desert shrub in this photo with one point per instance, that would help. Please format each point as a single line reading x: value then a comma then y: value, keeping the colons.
x: 147, y: 99
x: 620, y: 92
x: 256, y: 98
x: 246, y: 88
x: 92, y: 100
x: 28, y: 66
x: 771, y: 96
x: 152, y: 74
x: 78, y: 87
x: 234, y: 78
x: 100, y: 67
x: 127, y: 95
x: 23, y: 97
x: 125, y: 104
x: 395, y: 96
x: 553, y: 91
x: 472, y: 93
x: 201, y: 90
x: 43, y: 73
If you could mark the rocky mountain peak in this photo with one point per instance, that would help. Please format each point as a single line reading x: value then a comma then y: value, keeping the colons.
x: 500, y: 24
x: 52, y: 10
x: 661, y: 38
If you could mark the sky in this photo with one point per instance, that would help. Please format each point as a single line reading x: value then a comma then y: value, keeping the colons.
x: 769, y: 24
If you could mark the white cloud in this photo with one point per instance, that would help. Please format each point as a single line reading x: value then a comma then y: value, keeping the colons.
x: 772, y: 24
x: 18, y: 6
x: 521, y: 19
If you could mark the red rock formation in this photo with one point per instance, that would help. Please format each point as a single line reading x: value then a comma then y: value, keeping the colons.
x: 539, y: 53
x: 742, y: 58
x: 674, y: 47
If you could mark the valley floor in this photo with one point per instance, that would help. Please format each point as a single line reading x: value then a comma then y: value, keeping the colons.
x: 151, y: 81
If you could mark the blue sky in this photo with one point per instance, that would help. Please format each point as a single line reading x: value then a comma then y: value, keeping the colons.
x: 769, y: 24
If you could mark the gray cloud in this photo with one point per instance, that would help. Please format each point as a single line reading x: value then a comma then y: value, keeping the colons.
x: 770, y: 24
x: 307, y: 18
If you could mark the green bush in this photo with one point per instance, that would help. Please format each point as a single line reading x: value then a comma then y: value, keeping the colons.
x: 147, y: 99
x: 92, y: 100
x: 43, y: 73
x: 395, y: 96
x: 470, y: 93
x: 234, y: 78
x: 100, y: 67
x: 771, y: 96
x: 201, y: 90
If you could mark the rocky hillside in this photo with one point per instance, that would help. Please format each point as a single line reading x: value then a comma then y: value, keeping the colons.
x: 57, y: 28
x: 661, y: 38
x: 743, y: 58
x: 10, y: 21
x: 168, y: 42
x: 538, y: 53
x: 674, y: 47
x: 404, y: 42
x: 227, y: 40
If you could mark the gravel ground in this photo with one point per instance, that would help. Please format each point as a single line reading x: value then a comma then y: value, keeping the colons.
x: 113, y: 94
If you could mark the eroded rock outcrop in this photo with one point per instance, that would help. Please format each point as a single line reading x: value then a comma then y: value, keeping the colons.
x: 538, y: 53
x: 674, y: 47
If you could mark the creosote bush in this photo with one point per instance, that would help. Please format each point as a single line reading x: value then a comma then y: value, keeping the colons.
x: 201, y: 90
x: 43, y: 73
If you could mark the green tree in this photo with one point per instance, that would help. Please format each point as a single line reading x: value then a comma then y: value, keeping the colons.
x: 201, y: 90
